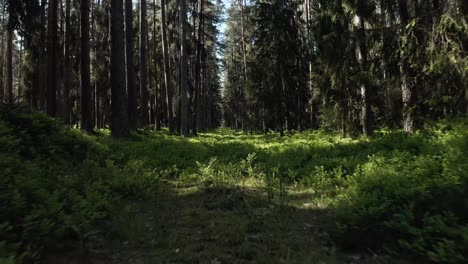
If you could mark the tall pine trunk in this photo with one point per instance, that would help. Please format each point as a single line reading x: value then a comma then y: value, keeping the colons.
x: 2, y: 81
x: 184, y: 128
x: 119, y: 104
x: 366, y: 115
x: 67, y: 77
x: 407, y: 90
x: 130, y: 66
x: 52, y: 48
x: 157, y: 103
x: 86, y: 94
x: 42, y: 62
x: 167, y: 76
x: 9, y: 61
x: 196, y: 99
x: 143, y: 65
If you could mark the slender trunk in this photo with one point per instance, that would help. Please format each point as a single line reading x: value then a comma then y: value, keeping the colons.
x: 130, y: 66
x: 20, y: 87
x: 2, y: 81
x: 157, y: 121
x: 407, y: 89
x: 244, y: 62
x: 167, y: 77
x: 59, y: 60
x: 42, y: 61
x: 313, y: 95
x: 67, y: 65
x: 52, y: 46
x: 464, y: 10
x: 9, y: 63
x: 94, y: 7
x: 196, y: 99
x: 119, y: 104
x: 143, y: 65
x: 86, y: 95
x: 183, y: 69
x: 366, y: 115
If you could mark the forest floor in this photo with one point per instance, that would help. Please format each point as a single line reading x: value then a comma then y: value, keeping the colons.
x: 230, y: 197
x: 197, y: 224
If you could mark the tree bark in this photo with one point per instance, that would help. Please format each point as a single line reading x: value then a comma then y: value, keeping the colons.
x: 196, y: 99
x: 52, y: 46
x: 86, y: 95
x: 183, y: 69
x: 130, y: 66
x: 366, y: 115
x: 143, y: 65
x: 20, y: 87
x: 167, y: 77
x: 464, y: 10
x: 67, y: 65
x: 407, y: 90
x: 42, y: 64
x: 9, y: 62
x: 157, y: 103
x: 119, y: 104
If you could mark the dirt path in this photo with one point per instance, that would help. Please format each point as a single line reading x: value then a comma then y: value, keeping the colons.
x: 188, y: 224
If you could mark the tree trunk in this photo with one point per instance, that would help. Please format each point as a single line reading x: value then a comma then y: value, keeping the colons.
x: 119, y: 104
x: 2, y: 81
x: 52, y: 47
x: 143, y: 65
x: 167, y: 77
x: 366, y: 115
x: 9, y: 62
x: 67, y: 65
x: 86, y: 95
x: 407, y: 90
x: 130, y: 46
x: 183, y: 69
x: 42, y: 62
x: 157, y: 103
x: 196, y: 99
x: 20, y: 87
x: 464, y: 10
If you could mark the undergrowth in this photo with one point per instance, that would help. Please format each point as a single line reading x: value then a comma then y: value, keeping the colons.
x: 393, y: 192
x: 58, y: 186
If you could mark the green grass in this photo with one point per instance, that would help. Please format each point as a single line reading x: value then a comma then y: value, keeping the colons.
x: 230, y: 197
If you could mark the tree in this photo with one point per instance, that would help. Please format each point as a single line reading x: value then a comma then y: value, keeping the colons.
x: 67, y: 78
x: 9, y: 58
x: 407, y: 90
x: 184, y: 125
x: 364, y: 9
x: 131, y: 88
x: 86, y: 94
x: 167, y: 75
x: 143, y: 65
x: 52, y: 48
x: 119, y: 104
x: 198, y: 57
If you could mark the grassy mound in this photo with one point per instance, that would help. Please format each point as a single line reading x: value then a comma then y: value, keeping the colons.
x: 57, y: 185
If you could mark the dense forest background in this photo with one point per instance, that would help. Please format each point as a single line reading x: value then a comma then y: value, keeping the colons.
x: 241, y: 131
x: 352, y: 66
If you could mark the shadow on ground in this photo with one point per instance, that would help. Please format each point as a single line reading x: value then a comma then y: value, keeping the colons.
x: 189, y: 224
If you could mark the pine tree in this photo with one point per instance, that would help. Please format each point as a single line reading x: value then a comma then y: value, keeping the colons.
x: 86, y: 94
x: 119, y: 99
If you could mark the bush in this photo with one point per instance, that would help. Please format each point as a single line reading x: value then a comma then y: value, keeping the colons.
x: 418, y: 203
x: 57, y: 185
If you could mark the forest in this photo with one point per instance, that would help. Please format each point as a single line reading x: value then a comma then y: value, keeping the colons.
x: 234, y: 131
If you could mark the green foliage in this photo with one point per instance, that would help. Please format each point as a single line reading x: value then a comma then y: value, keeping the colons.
x: 57, y: 185
x: 397, y: 191
x: 412, y: 202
